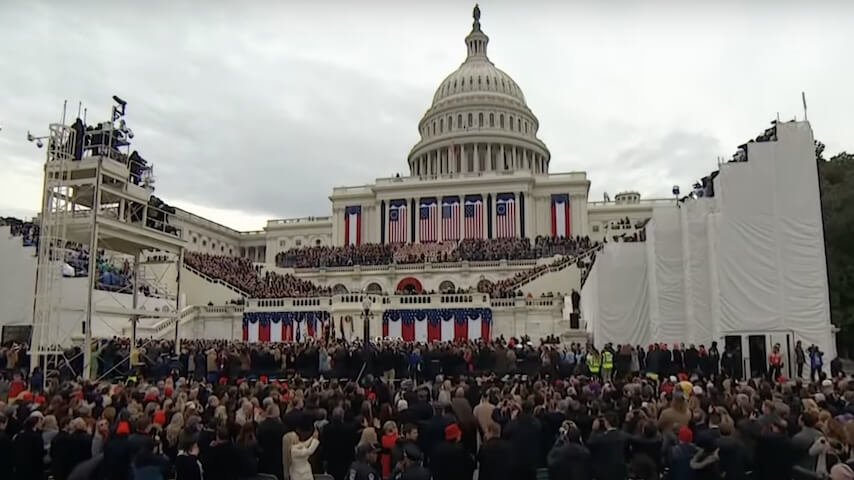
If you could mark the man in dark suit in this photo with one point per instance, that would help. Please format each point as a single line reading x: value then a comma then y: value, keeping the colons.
x: 608, y: 448
x: 525, y: 433
x: 270, y: 433
x: 339, y: 440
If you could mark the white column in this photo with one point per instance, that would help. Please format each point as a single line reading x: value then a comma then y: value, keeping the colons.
x: 475, y: 157
x: 518, y: 219
x: 530, y: 210
x: 336, y: 229
x: 409, y: 218
x: 501, y: 159
x: 489, y: 157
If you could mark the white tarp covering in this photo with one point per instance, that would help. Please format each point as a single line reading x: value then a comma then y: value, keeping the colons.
x: 667, y: 286
x: 614, y: 299
x: 697, y: 274
x: 749, y: 261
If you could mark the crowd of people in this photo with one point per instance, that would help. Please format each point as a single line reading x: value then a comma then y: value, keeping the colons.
x: 241, y: 273
x: 442, y: 411
x: 472, y: 250
x: 114, y: 274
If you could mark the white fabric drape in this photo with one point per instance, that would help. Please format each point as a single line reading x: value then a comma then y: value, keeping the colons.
x: 276, y: 331
x: 253, y: 331
x: 421, y: 331
x: 303, y: 331
x: 448, y: 330
x: 474, y: 328
x: 394, y: 329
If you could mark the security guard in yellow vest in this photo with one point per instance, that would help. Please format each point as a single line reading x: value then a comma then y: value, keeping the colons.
x: 593, y: 362
x: 607, y: 363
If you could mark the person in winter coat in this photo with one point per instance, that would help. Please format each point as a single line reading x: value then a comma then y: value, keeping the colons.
x: 29, y: 450
x: 7, y: 453
x: 270, y: 432
x: 70, y: 448
x: 450, y: 461
x: 339, y: 440
x: 706, y: 462
x: 496, y: 456
x: 524, y: 432
x: 187, y: 464
x: 387, y: 443
x: 299, y: 468
x: 117, y: 452
x: 568, y: 458
x: 681, y: 455
x: 608, y: 448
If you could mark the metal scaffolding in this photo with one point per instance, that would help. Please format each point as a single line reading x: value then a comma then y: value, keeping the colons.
x: 97, y: 201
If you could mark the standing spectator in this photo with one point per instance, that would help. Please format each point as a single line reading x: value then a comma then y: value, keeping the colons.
x: 800, y: 359
x: 681, y: 455
x: 608, y: 448
x: 524, y: 433
x: 270, y: 433
x: 7, y: 452
x: 187, y: 464
x: 568, y: 458
x: 450, y: 461
x: 496, y: 456
x: 29, y: 449
x: 339, y: 444
x: 362, y: 468
x: 300, y: 469
x: 816, y: 362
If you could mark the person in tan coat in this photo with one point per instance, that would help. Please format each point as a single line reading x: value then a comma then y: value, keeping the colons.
x: 676, y: 415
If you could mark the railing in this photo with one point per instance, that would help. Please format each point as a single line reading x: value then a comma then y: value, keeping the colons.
x: 642, y: 202
x: 417, y: 267
x: 295, y: 221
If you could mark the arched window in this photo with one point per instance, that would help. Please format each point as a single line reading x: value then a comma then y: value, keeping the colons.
x: 501, y: 120
x: 487, y: 81
x: 480, y: 119
x: 491, y: 117
x: 511, y: 122
x: 434, y: 127
x: 518, y: 125
x: 204, y: 243
x: 460, y: 121
x: 471, y: 120
x: 450, y: 123
x: 442, y: 125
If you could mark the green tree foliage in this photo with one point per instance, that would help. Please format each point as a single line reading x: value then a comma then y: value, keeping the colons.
x: 837, y: 202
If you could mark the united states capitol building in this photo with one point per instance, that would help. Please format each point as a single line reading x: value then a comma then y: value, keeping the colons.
x: 481, y: 239
x: 478, y: 171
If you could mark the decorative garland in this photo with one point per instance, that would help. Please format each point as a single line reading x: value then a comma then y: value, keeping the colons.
x: 288, y: 318
x: 436, y: 315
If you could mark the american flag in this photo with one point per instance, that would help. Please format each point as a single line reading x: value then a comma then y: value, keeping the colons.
x: 451, y: 218
x: 505, y: 213
x: 427, y: 220
x: 474, y: 216
x: 397, y: 221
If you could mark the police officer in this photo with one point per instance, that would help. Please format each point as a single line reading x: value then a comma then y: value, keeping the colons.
x: 362, y: 468
x: 607, y: 362
x: 409, y: 467
x: 593, y: 361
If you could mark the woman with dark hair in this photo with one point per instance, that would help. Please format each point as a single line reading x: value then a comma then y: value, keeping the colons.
x: 247, y: 446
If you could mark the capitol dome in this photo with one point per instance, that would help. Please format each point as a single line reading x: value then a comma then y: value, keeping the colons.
x: 478, y: 122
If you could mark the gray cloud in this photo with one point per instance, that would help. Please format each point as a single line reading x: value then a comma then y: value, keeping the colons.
x: 260, y: 109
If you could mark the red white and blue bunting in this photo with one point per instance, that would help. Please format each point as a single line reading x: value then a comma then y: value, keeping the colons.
x: 438, y: 324
x: 284, y: 326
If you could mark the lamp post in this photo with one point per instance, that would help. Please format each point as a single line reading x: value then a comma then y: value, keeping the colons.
x: 367, y: 315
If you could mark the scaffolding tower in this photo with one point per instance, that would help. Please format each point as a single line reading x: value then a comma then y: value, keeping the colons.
x: 97, y: 200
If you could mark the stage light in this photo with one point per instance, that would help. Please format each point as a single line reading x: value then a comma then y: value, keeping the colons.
x: 39, y: 143
x: 30, y: 136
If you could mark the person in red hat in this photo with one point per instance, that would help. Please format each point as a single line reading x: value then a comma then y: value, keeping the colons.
x: 681, y: 455
x: 449, y: 459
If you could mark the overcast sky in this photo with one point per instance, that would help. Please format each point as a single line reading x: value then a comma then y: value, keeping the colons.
x: 255, y: 110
